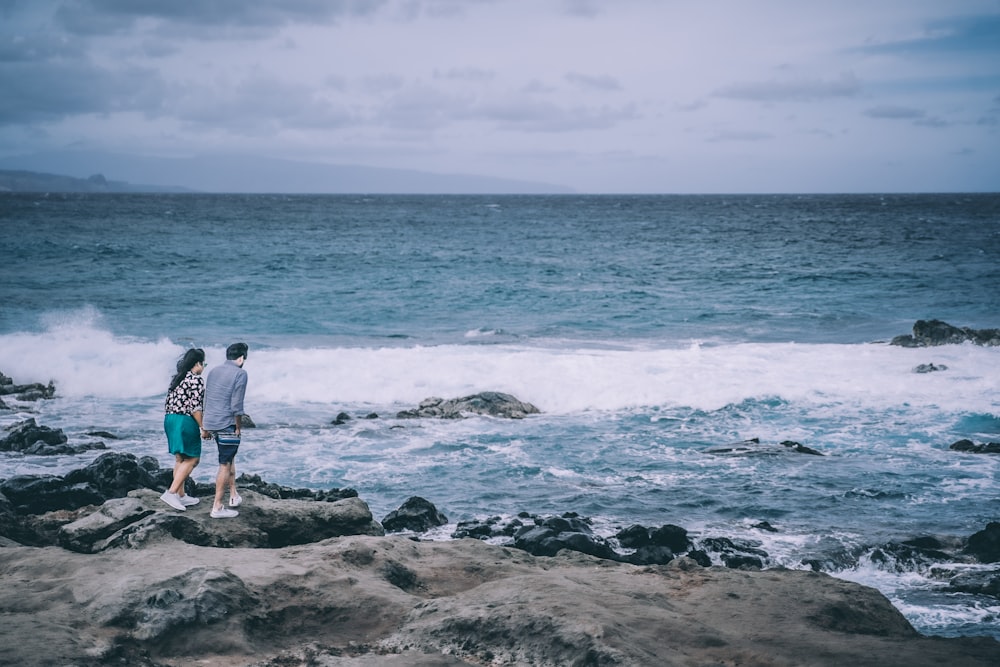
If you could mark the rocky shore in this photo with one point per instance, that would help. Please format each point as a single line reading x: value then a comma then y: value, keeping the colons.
x: 98, y: 571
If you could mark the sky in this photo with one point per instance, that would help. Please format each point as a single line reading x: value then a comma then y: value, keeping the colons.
x: 613, y: 96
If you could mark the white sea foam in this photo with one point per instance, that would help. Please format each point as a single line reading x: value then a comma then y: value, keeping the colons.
x: 84, y: 359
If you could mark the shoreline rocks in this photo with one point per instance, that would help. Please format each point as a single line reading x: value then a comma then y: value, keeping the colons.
x: 306, y: 577
x: 363, y: 601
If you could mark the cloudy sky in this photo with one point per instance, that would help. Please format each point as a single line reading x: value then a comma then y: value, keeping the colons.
x: 663, y: 96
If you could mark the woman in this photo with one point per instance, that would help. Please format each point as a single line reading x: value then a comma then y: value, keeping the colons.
x: 182, y: 424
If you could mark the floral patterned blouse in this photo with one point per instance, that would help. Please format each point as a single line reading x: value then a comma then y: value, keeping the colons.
x: 187, y: 397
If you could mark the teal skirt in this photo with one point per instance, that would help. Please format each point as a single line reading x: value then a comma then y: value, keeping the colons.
x: 183, y: 435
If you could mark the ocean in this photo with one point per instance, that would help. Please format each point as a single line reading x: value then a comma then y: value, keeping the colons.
x: 648, y: 330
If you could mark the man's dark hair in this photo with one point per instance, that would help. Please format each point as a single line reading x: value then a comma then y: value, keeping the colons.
x: 237, y: 350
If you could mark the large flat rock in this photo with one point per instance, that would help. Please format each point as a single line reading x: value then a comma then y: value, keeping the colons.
x: 368, y: 600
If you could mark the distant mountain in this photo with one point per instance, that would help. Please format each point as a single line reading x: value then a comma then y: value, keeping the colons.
x: 33, y: 181
x: 242, y: 174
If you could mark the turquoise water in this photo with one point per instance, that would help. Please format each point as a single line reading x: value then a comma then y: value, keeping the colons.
x: 647, y: 330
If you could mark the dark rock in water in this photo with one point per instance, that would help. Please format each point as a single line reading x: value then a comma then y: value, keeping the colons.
x: 736, y: 554
x: 416, y: 514
x: 341, y: 418
x: 276, y: 491
x: 491, y: 403
x: 28, y: 437
x: 103, y: 434
x: 963, y: 445
x: 633, y: 537
x: 764, y: 525
x: 565, y: 532
x: 753, y: 447
x: 985, y: 545
x: 27, y: 433
x: 547, y: 536
x: 977, y: 583
x: 800, y: 449
x: 674, y: 538
x: 929, y: 368
x: 935, y: 332
x: 26, y: 392
x: 966, y: 445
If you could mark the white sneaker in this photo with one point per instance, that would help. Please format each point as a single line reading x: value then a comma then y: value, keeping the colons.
x: 188, y: 501
x: 173, y: 500
x: 235, y: 500
x: 224, y: 513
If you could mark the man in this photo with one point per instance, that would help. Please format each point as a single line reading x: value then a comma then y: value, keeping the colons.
x: 222, y: 418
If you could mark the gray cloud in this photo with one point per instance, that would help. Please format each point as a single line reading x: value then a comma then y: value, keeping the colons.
x: 894, y: 112
x: 800, y: 90
x: 258, y: 105
x: 39, y: 92
x: 593, y: 82
x: 739, y: 135
x: 472, y: 74
x: 108, y: 17
x: 535, y: 116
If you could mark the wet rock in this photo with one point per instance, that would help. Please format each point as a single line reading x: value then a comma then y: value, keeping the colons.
x: 966, y: 445
x: 929, y: 368
x: 976, y: 583
x: 25, y: 434
x: 754, y: 447
x: 26, y: 392
x: 279, y: 492
x: 935, y: 332
x: 735, y: 553
x: 491, y: 403
x: 569, y: 531
x: 985, y: 544
x: 800, y: 449
x: 416, y: 514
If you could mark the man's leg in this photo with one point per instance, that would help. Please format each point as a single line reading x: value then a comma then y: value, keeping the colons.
x: 221, y: 482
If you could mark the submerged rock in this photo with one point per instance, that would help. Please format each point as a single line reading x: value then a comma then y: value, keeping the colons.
x: 930, y: 368
x: 754, y: 447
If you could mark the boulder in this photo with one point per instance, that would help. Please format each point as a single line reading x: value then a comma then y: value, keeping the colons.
x: 263, y: 523
x: 416, y: 514
x: 490, y: 403
x: 935, y: 332
x: 25, y: 434
x: 966, y: 445
x: 26, y: 392
x: 985, y: 544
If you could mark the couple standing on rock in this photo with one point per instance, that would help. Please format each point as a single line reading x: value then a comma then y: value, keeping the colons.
x: 197, y: 410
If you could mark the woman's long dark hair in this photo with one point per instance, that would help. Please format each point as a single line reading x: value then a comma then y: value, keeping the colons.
x: 193, y: 356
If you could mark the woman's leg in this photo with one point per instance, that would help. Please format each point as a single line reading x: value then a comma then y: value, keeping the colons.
x: 182, y: 470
